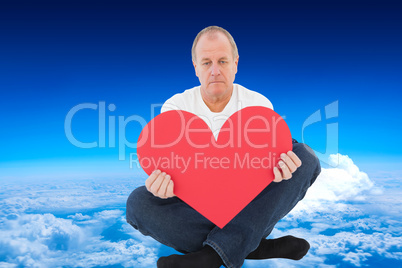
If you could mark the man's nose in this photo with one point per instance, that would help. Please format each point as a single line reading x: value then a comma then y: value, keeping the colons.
x: 215, y: 69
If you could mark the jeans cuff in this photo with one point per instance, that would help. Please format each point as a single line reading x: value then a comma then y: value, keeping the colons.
x: 220, y: 252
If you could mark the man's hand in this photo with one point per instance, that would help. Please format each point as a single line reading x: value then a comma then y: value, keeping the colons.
x: 288, y: 164
x: 160, y: 184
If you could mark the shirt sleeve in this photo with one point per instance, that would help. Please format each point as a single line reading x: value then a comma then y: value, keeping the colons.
x: 253, y: 98
x: 171, y: 104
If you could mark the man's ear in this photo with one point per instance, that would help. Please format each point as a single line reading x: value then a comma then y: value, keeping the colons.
x: 195, y: 68
x: 236, y: 63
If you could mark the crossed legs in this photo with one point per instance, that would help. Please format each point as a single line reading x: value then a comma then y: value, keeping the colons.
x: 175, y: 224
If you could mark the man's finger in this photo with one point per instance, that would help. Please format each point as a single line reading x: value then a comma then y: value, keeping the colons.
x: 295, y: 158
x: 289, y: 162
x: 278, y: 175
x: 157, y: 183
x: 285, y: 170
x: 162, y: 190
x: 169, y: 191
x: 151, y: 179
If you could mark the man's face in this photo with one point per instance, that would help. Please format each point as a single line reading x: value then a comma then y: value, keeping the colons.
x: 215, y: 66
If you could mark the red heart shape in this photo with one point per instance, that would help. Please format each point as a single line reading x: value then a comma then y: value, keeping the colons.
x: 221, y: 177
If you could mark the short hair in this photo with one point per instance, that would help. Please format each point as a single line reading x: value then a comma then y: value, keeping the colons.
x: 212, y: 30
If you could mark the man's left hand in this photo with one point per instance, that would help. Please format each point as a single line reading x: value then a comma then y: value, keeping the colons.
x: 286, y: 166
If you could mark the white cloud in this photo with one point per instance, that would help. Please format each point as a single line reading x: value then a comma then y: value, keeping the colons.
x: 128, y: 253
x: 31, y: 236
x: 346, y: 182
x: 334, y: 189
x: 43, y: 240
x: 108, y: 214
x: 79, y: 217
x: 352, y: 247
x: 355, y: 258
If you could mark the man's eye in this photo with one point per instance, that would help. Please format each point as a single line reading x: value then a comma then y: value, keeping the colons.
x: 206, y: 63
x: 222, y: 61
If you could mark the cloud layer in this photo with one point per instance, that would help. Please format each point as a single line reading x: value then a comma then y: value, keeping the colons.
x: 82, y: 223
x: 40, y: 229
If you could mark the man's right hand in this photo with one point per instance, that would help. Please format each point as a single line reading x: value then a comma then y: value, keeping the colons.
x: 160, y: 184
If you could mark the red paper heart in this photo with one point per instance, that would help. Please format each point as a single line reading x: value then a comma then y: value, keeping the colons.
x: 216, y: 178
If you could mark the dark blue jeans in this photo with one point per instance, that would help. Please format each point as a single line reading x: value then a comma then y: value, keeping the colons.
x: 175, y: 224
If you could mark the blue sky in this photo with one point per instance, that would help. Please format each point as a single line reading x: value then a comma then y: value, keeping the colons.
x: 302, y: 55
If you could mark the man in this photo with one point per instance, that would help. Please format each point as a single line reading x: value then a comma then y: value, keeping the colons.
x: 154, y: 210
